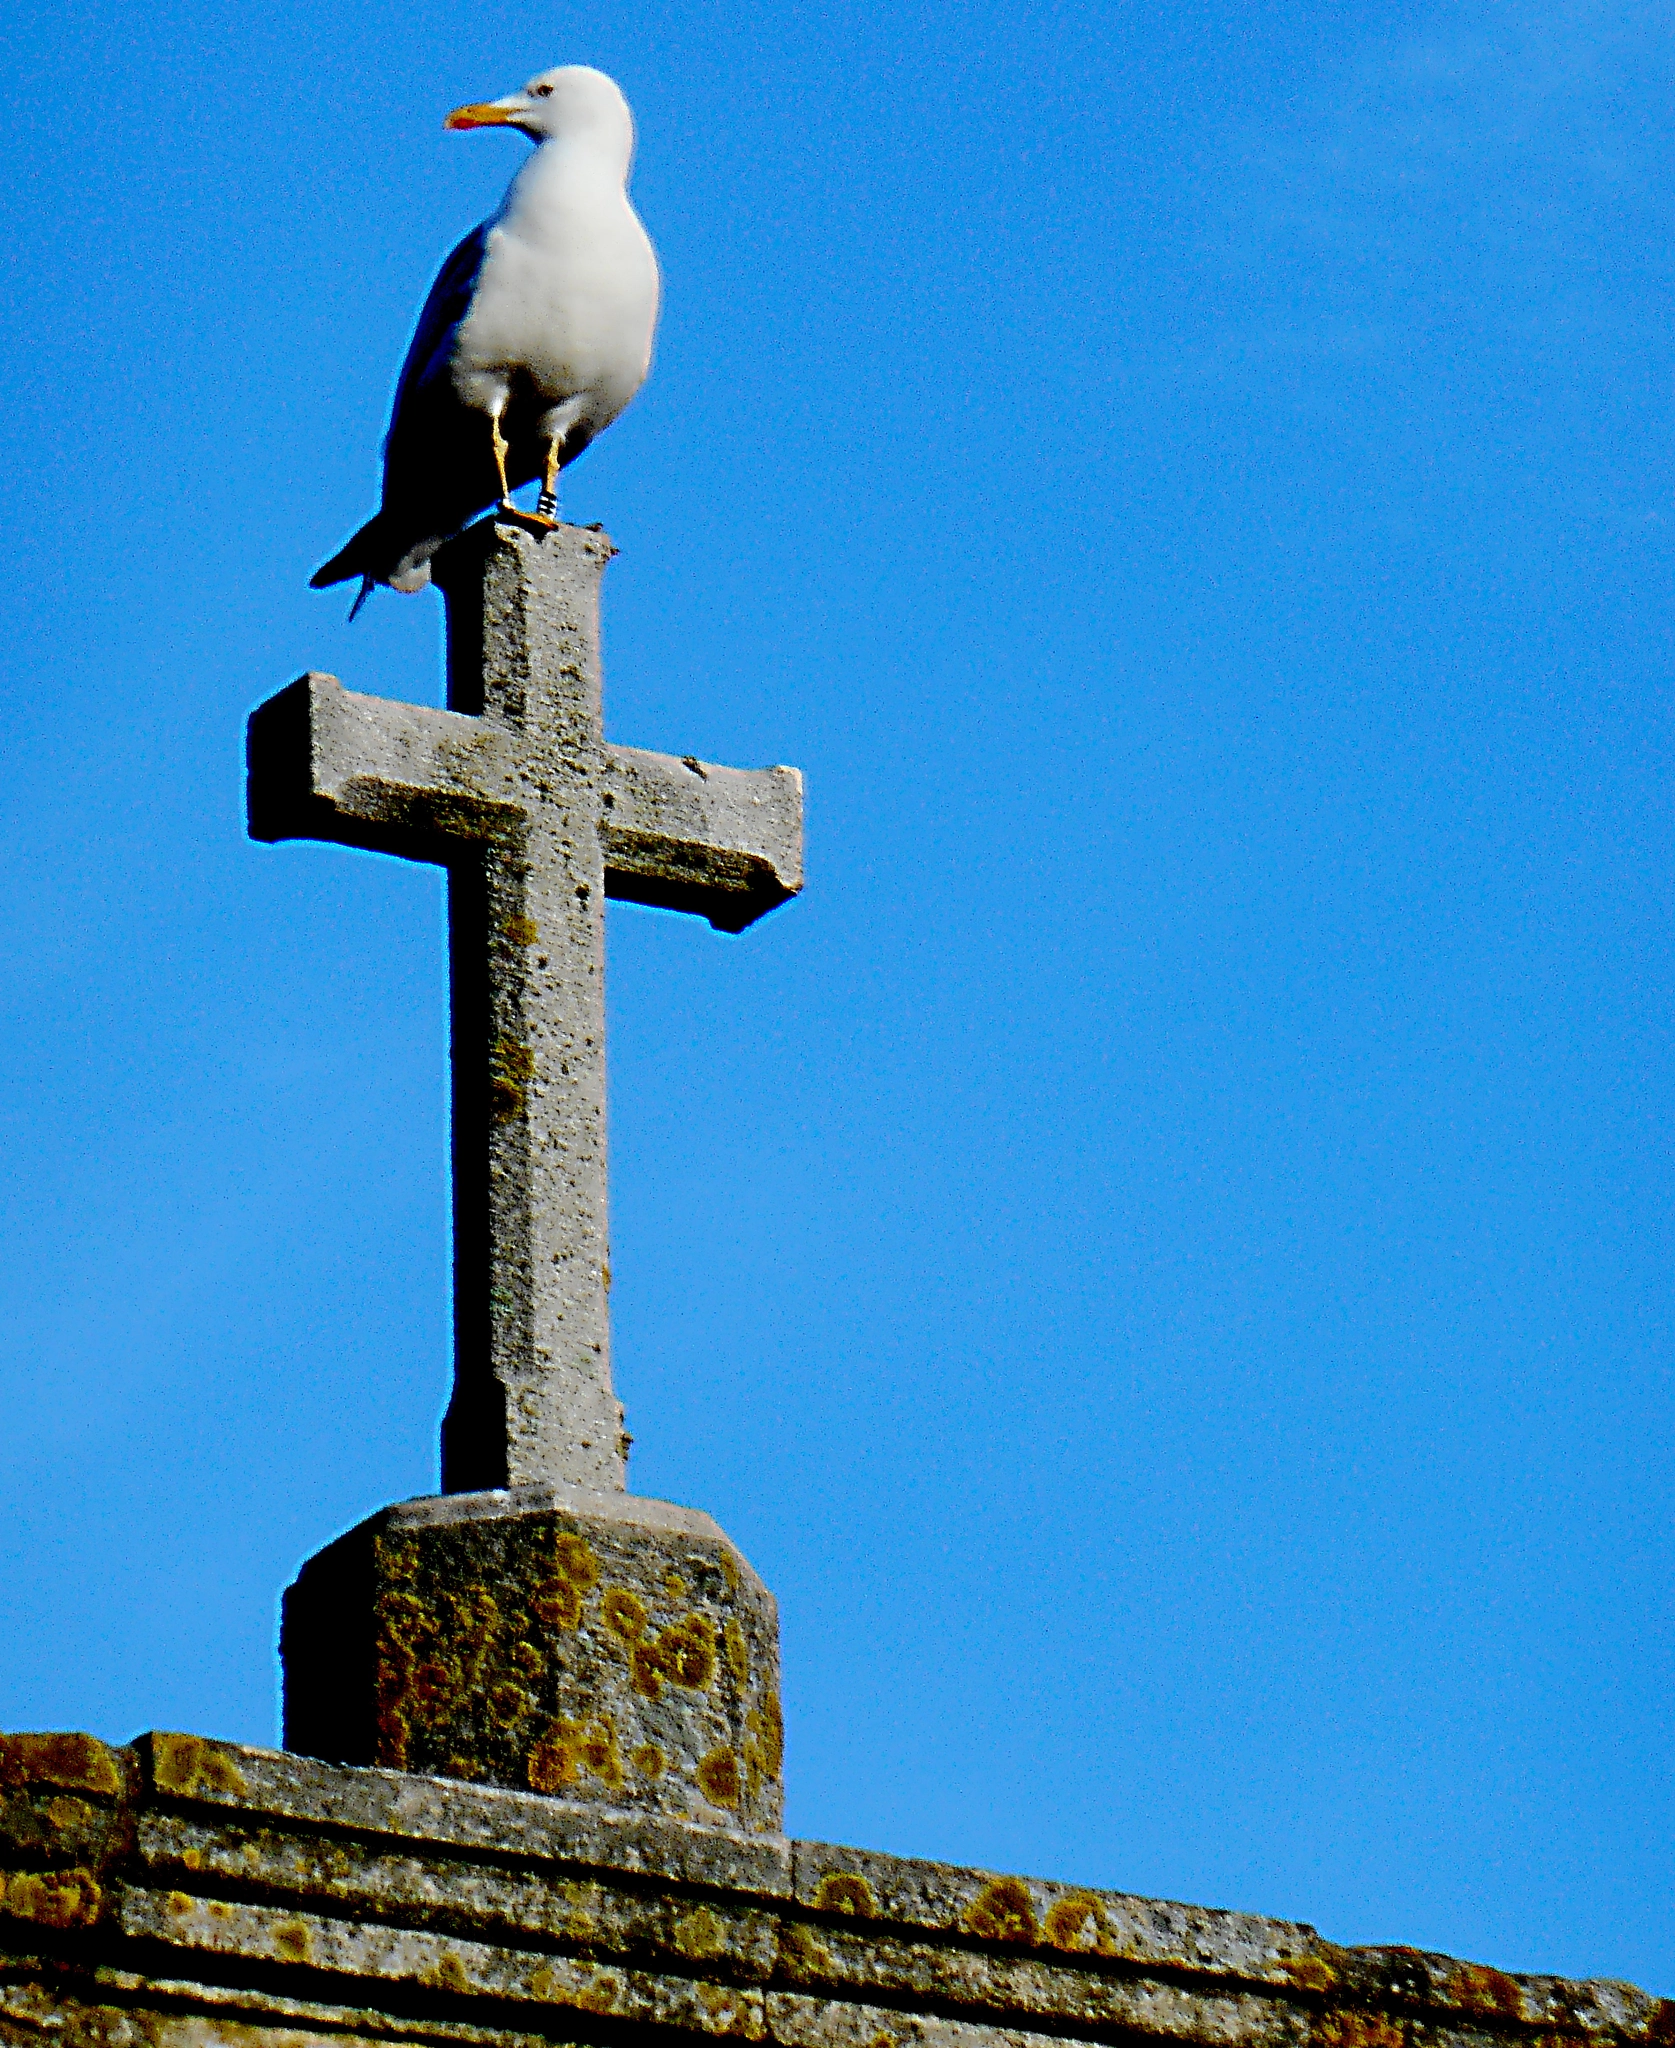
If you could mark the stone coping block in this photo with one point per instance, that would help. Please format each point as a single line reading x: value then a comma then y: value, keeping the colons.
x: 182, y: 1893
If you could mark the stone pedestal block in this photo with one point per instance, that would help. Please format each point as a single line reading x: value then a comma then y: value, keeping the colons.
x: 598, y: 1647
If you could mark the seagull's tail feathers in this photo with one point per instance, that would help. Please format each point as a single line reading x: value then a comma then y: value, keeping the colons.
x: 369, y: 555
x: 384, y: 551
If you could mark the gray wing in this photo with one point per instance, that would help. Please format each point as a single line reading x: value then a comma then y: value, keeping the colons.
x: 444, y: 311
x: 438, y: 464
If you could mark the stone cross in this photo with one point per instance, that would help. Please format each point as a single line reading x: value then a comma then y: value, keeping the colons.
x: 514, y: 791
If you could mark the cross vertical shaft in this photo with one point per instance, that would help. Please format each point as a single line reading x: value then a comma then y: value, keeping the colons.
x: 532, y: 1397
x: 514, y: 791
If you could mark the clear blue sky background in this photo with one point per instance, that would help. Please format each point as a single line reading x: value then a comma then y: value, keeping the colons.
x: 1163, y: 1257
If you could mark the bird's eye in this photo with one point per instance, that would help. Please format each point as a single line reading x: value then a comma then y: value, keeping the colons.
x: 541, y: 91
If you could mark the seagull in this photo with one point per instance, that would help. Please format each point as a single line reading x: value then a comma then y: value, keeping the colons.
x: 535, y: 336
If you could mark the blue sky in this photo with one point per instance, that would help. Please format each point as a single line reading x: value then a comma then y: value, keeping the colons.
x: 1162, y: 1257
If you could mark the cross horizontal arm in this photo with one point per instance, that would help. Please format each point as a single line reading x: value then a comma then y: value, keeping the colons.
x: 326, y: 763
x: 686, y: 835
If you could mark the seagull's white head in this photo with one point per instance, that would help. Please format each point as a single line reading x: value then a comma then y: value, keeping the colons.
x: 572, y: 103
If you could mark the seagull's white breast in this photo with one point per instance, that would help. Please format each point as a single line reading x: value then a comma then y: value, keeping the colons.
x: 567, y: 295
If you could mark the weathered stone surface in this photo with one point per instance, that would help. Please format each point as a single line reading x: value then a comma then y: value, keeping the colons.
x: 537, y: 820
x: 934, y: 1896
x: 195, y: 1893
x: 596, y: 1647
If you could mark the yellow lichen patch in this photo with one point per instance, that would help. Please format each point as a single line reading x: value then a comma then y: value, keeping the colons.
x: 674, y: 1585
x: 477, y: 1619
x: 581, y: 1925
x: 598, y: 1752
x: 64, y: 1814
x: 194, y: 1858
x: 508, y: 1703
x: 730, y: 1572
x: 1484, y: 1990
x: 718, y: 1778
x: 576, y: 1562
x: 1355, y: 2030
x: 764, y: 1752
x: 406, y: 1645
x: 1002, y: 1911
x: 601, y: 1995
x: 688, y: 1651
x: 648, y: 1760
x: 725, y: 2012
x: 624, y: 1614
x: 395, y: 1738
x: 398, y: 1560
x: 220, y: 1910
x: 684, y: 1654
x: 700, y: 1933
x: 511, y: 1071
x: 1077, y: 1922
x: 551, y: 1767
x: 403, y: 1616
x: 180, y: 1903
x: 522, y: 931
x: 432, y: 1688
x: 738, y: 1655
x: 468, y: 1769
x: 293, y: 1940
x: 845, y: 1891
x: 53, y: 1898
x: 801, y: 1955
x: 570, y: 1747
x: 556, y: 1602
x: 1308, y: 1973
x: 77, y: 1762
x: 186, y: 1765
x: 448, y: 1974
x: 594, y: 1994
x: 528, y: 1660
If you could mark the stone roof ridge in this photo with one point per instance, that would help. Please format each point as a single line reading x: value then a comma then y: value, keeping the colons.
x: 265, y: 1890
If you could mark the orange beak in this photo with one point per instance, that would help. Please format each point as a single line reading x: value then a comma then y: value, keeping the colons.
x: 484, y: 114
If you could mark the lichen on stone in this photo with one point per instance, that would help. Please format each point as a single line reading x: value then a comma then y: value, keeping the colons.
x: 683, y: 1654
x: 53, y: 1898
x: 187, y: 1765
x: 568, y: 1748
x: 1002, y: 1911
x: 718, y: 1778
x: 1077, y: 1922
x: 624, y: 1614
x: 845, y: 1891
x: 79, y: 1763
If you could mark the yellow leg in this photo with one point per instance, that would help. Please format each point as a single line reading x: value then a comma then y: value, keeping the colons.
x: 546, y: 506
x: 500, y: 453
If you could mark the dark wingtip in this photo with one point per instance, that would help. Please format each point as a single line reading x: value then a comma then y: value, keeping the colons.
x: 368, y: 585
